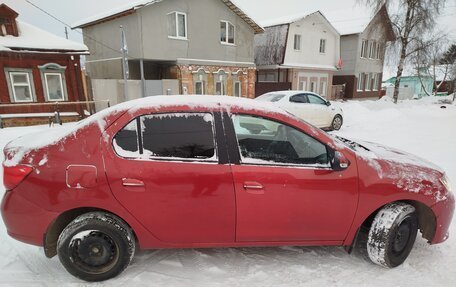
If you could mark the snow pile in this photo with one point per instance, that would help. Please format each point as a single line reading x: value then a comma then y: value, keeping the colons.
x: 33, y: 38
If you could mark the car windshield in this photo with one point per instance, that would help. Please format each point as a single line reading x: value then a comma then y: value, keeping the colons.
x: 271, y: 97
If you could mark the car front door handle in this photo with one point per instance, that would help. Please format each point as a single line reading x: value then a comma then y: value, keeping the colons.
x: 131, y: 182
x: 253, y: 187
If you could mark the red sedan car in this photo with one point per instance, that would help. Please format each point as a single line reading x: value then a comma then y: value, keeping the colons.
x: 202, y: 171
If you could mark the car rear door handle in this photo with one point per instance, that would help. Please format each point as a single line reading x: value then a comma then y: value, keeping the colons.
x: 131, y: 182
x: 253, y: 187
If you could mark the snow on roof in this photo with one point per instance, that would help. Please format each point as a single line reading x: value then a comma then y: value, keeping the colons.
x: 33, y: 38
x: 286, y: 19
x: 352, y: 20
x: 134, y: 5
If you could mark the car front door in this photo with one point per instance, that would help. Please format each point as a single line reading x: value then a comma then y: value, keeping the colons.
x: 320, y: 111
x: 285, y: 187
x: 169, y: 173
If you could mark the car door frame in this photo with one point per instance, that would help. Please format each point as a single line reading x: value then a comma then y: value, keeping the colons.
x: 235, y: 159
x: 222, y: 159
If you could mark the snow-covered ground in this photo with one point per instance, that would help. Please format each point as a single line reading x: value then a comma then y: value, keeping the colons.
x: 418, y: 127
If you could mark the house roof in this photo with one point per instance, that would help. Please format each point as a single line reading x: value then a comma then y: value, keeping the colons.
x: 32, y: 38
x: 132, y: 6
x: 356, y: 19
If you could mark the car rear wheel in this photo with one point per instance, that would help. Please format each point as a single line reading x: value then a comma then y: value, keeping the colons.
x: 337, y: 123
x: 392, y: 234
x: 96, y: 246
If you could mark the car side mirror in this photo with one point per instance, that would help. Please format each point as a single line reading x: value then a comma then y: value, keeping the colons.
x: 328, y: 103
x: 340, y: 162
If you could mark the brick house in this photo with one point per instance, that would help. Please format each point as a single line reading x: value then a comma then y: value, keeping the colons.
x: 36, y: 67
x: 206, y: 45
x: 362, y: 44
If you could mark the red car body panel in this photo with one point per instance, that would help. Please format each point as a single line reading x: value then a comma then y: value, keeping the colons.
x: 182, y: 204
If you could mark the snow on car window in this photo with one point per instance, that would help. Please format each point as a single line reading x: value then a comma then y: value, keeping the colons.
x: 179, y: 135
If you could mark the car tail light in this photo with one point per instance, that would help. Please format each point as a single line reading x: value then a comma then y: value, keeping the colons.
x: 14, y: 175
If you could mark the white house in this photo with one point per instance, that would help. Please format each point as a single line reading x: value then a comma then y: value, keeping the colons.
x: 300, y: 53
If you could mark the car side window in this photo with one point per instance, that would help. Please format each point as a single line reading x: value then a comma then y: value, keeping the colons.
x: 126, y: 141
x: 263, y: 141
x: 316, y: 100
x: 182, y: 136
x: 302, y: 99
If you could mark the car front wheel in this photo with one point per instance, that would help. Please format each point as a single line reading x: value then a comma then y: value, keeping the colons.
x: 337, y: 123
x: 96, y: 246
x: 392, y: 234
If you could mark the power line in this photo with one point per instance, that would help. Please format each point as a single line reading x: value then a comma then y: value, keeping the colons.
x: 69, y: 26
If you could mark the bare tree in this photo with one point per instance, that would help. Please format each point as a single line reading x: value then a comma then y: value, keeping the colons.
x: 411, y: 20
x: 428, y: 62
x: 449, y: 59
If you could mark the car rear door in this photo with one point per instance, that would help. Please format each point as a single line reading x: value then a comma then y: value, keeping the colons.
x: 170, y: 173
x: 285, y: 188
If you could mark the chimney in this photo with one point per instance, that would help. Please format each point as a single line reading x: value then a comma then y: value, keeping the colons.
x: 8, y: 25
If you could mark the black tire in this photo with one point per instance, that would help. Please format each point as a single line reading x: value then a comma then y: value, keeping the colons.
x: 392, y: 234
x: 337, y: 123
x: 96, y: 246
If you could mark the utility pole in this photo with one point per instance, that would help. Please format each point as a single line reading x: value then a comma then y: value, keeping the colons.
x: 124, y: 50
x: 66, y: 32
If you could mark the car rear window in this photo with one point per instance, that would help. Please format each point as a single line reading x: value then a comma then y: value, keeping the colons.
x: 171, y: 136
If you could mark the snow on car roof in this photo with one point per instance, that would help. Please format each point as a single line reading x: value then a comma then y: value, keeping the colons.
x: 22, y: 146
x: 34, y: 38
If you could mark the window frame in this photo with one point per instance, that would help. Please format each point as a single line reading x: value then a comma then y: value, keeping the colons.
x: 227, y: 35
x: 176, y: 19
x: 9, y: 73
x: 364, y: 48
x: 297, y: 44
x: 62, y: 86
x: 277, y: 164
x: 361, y: 82
x: 323, y: 41
x: 214, y: 160
x: 368, y: 87
x: 202, y: 87
x: 239, y: 84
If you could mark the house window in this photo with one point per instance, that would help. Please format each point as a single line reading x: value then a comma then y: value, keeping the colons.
x: 322, y: 46
x: 297, y: 42
x: 302, y: 83
x: 177, y: 25
x: 267, y: 76
x: 323, y: 89
x: 369, y: 82
x: 199, y: 88
x: 313, y: 87
x: 376, y: 81
x: 364, y: 47
x: 237, y: 89
x: 21, y: 86
x: 227, y: 32
x: 360, y: 82
x: 220, y: 82
x: 378, y: 52
x: 219, y: 88
x: 54, y: 87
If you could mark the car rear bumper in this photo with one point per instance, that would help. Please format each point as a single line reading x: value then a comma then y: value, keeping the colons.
x: 24, y: 220
x: 443, y: 211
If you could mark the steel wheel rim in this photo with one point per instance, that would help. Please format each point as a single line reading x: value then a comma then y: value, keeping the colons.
x: 402, y: 237
x: 94, y: 252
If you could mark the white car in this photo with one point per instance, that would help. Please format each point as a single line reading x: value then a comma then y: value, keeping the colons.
x: 308, y: 106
